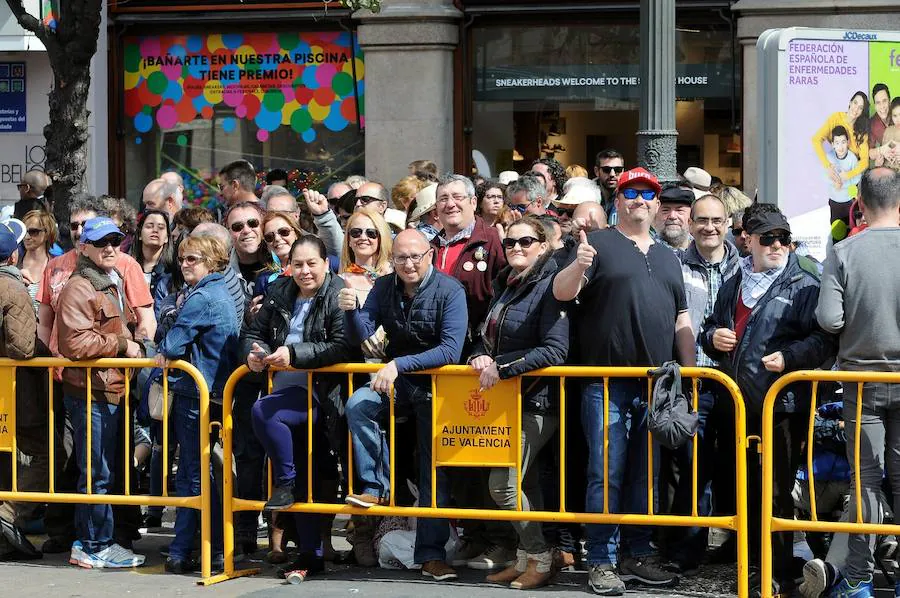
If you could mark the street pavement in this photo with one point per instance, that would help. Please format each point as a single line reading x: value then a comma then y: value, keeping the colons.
x: 53, y: 577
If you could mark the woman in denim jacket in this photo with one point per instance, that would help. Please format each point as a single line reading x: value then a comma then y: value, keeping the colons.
x: 205, y: 333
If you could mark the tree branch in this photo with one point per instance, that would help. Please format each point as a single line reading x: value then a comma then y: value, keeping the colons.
x: 27, y: 21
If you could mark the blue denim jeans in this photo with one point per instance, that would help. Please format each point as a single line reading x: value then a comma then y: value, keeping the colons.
x: 627, y: 467
x: 366, y: 409
x: 94, y: 523
x: 187, y: 480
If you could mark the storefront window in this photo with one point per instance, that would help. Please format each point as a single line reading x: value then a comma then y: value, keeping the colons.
x: 570, y: 91
x: 194, y: 103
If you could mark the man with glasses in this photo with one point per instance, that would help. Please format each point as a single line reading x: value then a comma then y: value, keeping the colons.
x: 527, y: 195
x: 708, y: 262
x: 423, y: 312
x: 59, y: 517
x: 94, y: 320
x: 631, y: 311
x: 244, y: 220
x: 608, y: 166
x: 374, y: 196
x: 764, y: 325
x: 471, y: 252
x: 738, y: 237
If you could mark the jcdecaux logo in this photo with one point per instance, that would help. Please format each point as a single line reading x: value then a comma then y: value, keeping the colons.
x: 859, y: 36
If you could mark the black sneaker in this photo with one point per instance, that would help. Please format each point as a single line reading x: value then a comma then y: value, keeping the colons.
x: 282, y: 498
x: 180, y: 567
x: 152, y: 521
x: 646, y: 570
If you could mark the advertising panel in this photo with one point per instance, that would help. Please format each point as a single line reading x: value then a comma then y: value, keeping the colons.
x: 838, y: 114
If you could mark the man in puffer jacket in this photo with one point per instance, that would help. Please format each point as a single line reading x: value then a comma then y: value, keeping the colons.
x: 18, y: 329
x: 764, y: 325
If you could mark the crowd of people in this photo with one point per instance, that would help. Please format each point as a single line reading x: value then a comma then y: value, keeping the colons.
x: 546, y: 268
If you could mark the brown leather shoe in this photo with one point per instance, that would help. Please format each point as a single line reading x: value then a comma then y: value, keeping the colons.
x: 563, y: 559
x: 506, y: 576
x: 532, y: 578
x: 438, y: 570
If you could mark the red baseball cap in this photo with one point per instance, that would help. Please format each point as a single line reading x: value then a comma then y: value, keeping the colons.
x: 638, y: 175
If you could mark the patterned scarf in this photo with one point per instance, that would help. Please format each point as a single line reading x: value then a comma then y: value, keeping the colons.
x: 755, y: 284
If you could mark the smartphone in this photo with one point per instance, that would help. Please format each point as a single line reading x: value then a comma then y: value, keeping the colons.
x: 261, y: 354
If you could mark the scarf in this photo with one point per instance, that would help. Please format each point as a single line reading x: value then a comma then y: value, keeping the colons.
x: 756, y: 284
x: 370, y: 272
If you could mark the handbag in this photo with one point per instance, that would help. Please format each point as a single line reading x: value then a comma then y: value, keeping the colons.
x: 155, y: 396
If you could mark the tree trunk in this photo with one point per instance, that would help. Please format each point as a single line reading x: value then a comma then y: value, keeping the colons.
x: 67, y: 136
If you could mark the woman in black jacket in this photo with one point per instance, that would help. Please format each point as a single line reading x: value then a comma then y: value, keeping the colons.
x: 299, y: 326
x: 526, y: 329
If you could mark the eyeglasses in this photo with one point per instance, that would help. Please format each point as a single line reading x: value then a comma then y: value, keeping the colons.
x: 283, y: 232
x: 356, y: 233
x: 767, y: 239
x: 704, y: 221
x: 20, y: 185
x: 416, y: 258
x: 75, y: 225
x: 237, y: 227
x: 366, y: 199
x: 33, y: 232
x: 520, y: 207
x: 523, y: 242
x: 457, y: 197
x: 737, y: 231
x: 631, y: 193
x: 107, y: 241
x: 565, y: 211
x: 190, y: 259
x: 611, y: 169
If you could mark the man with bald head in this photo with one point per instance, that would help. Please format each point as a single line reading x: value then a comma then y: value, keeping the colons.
x: 31, y: 193
x: 373, y: 196
x: 164, y: 195
x: 424, y: 316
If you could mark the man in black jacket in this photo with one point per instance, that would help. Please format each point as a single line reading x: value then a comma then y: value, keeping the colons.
x: 764, y: 325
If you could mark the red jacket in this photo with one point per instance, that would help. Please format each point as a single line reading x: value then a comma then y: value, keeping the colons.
x: 484, y: 246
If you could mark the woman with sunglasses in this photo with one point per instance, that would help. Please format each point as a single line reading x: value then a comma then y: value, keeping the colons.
x: 205, y: 334
x: 526, y: 329
x: 40, y: 235
x: 367, y: 251
x: 152, y: 249
x: 280, y: 231
x: 299, y: 326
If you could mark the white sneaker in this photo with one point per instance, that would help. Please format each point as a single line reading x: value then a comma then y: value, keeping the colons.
x: 115, y: 557
x: 78, y: 556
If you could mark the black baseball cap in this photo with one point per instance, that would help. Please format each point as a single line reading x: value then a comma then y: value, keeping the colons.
x: 677, y: 195
x: 766, y: 222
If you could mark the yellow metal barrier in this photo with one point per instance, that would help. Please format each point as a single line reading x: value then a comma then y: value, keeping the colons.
x: 201, y: 502
x: 476, y: 402
x: 772, y: 524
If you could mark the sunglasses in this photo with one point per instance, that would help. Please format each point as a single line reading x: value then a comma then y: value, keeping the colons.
x: 632, y: 193
x: 76, y: 224
x: 737, y: 231
x: 237, y: 227
x: 523, y: 242
x: 520, y: 207
x: 190, y: 259
x: 611, y: 169
x: 366, y: 199
x: 107, y: 241
x: 565, y: 211
x: 767, y: 239
x: 283, y: 232
x: 356, y: 233
x: 33, y: 232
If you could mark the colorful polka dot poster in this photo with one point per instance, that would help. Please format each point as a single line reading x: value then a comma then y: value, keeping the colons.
x: 300, y: 81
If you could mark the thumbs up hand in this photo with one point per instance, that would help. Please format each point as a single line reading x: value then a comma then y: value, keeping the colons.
x: 586, y: 252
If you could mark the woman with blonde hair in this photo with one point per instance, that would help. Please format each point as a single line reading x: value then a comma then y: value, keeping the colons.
x: 40, y: 235
x: 205, y: 333
x: 367, y: 251
x: 405, y: 191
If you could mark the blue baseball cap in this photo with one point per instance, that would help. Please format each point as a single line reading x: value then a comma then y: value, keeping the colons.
x: 8, y: 243
x: 16, y: 227
x: 97, y: 228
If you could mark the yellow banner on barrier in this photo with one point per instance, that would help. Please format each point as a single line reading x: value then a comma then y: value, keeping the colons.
x: 7, y: 408
x: 475, y: 427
